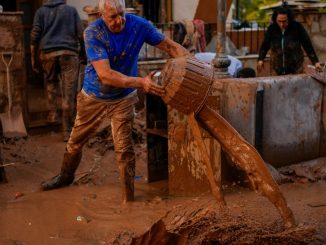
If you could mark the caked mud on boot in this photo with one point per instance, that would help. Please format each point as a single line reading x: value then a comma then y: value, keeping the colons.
x: 127, y: 174
x: 127, y: 182
x: 57, y: 181
x: 128, y: 192
x: 67, y: 175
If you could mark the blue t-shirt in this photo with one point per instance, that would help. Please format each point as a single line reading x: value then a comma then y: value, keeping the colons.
x: 121, y: 49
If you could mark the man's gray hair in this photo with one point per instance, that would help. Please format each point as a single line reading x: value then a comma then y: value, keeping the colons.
x: 112, y: 3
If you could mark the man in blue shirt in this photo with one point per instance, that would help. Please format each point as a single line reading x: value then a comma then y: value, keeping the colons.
x: 112, y: 46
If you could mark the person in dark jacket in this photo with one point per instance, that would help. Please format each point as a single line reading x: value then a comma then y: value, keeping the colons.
x: 285, y: 38
x: 57, y: 34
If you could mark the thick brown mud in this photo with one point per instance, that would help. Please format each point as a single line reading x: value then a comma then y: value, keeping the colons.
x: 248, y: 159
x: 187, y: 83
x: 91, y: 211
x: 202, y: 223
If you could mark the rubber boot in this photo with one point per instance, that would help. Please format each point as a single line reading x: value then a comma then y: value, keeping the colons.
x: 127, y: 174
x: 67, y: 175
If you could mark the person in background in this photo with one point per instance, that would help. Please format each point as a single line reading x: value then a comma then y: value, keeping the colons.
x: 208, y: 57
x: 112, y: 46
x: 57, y: 34
x: 284, y: 38
x: 245, y: 72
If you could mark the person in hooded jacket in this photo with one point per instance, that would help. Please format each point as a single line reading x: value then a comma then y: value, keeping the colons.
x: 285, y: 38
x: 57, y: 35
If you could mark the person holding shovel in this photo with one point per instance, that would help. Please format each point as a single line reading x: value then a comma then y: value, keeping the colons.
x: 58, y: 34
x: 112, y: 45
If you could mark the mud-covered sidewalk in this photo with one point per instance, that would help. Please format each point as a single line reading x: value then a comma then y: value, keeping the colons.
x: 91, y: 213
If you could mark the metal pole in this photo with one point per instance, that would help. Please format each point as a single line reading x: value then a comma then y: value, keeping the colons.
x: 221, y: 61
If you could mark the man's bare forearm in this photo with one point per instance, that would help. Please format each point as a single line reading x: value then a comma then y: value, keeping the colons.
x: 172, y: 48
x: 114, y: 78
x: 117, y: 79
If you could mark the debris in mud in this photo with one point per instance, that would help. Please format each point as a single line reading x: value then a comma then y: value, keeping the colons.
x: 14, y: 140
x: 89, y: 177
x: 156, y: 235
x: 82, y: 219
x: 278, y: 177
x: 19, y: 194
x: 203, y: 223
x: 122, y: 238
x: 317, y: 205
x: 309, y: 171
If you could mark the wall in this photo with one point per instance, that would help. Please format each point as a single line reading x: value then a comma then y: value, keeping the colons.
x: 79, y: 4
x: 184, y: 9
x: 12, y: 41
x: 315, y: 24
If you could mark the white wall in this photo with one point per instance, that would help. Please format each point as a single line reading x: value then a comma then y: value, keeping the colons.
x: 79, y: 4
x: 184, y: 9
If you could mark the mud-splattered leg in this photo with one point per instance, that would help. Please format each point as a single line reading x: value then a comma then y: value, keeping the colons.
x: 122, y: 115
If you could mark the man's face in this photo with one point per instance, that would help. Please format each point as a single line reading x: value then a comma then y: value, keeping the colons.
x: 282, y: 21
x: 114, y: 17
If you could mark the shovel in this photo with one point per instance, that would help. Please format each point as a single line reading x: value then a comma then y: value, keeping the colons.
x: 12, y: 120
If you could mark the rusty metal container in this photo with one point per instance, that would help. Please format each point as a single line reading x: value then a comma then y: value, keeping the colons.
x: 187, y: 83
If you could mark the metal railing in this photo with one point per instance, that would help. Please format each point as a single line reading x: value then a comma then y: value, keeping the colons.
x: 250, y: 37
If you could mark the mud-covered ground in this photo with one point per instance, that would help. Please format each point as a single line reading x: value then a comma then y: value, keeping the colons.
x: 91, y: 213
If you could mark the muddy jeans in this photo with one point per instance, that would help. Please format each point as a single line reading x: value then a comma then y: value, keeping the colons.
x: 61, y: 72
x: 90, y: 114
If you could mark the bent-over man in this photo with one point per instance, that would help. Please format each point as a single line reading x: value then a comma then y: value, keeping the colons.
x: 112, y: 46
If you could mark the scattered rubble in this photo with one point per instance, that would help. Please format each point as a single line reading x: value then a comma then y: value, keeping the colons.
x: 309, y: 171
x: 205, y: 224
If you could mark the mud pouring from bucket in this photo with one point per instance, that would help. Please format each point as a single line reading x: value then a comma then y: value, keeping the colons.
x: 187, y: 83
